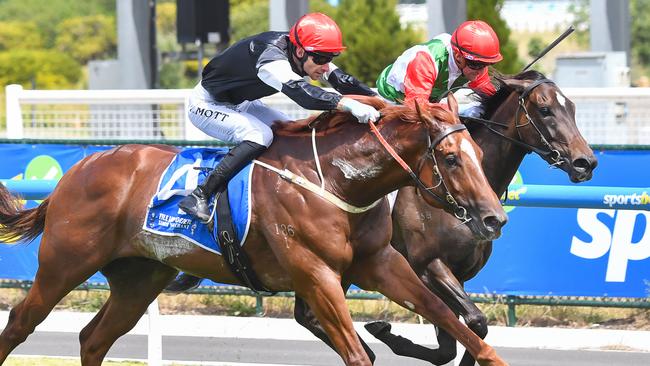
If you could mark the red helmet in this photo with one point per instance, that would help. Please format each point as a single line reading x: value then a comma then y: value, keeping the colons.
x: 475, y: 40
x: 316, y: 32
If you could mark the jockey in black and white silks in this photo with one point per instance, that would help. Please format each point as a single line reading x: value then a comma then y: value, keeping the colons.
x: 226, y: 105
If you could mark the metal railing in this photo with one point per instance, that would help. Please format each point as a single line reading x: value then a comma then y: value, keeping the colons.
x: 611, y: 116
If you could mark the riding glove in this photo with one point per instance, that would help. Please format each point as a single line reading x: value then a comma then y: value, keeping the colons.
x: 475, y: 111
x: 363, y: 112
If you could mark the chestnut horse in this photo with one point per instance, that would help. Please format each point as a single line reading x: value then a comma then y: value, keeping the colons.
x: 528, y: 113
x: 93, y: 221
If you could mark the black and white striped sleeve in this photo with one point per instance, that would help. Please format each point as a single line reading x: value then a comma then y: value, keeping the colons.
x: 345, y: 83
x: 277, y: 73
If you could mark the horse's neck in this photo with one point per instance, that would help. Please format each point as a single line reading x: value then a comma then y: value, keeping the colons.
x: 501, y: 159
x: 355, y: 166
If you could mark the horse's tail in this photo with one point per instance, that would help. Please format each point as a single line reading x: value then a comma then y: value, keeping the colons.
x: 19, y: 224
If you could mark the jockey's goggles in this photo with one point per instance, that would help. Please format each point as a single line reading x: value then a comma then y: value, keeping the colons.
x: 475, y: 65
x: 322, y: 58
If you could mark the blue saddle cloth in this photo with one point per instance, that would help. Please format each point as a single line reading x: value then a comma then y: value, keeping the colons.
x: 178, y: 180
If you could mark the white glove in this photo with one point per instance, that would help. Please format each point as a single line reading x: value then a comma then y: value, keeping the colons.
x: 363, y: 112
x: 474, y: 111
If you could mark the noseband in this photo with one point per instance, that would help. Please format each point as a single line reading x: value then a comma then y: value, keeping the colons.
x: 549, y: 152
x: 448, y: 202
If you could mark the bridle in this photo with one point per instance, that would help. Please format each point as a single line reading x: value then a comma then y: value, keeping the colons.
x: 549, y: 152
x: 448, y: 201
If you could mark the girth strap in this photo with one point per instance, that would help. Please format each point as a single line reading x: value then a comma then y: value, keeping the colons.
x: 235, y: 256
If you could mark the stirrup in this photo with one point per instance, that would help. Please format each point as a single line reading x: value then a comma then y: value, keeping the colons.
x: 191, y: 208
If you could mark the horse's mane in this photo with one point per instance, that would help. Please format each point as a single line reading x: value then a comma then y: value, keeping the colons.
x: 491, y: 103
x: 332, y: 120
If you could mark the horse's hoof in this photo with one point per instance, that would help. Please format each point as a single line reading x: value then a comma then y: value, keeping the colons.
x: 182, y: 283
x: 378, y: 327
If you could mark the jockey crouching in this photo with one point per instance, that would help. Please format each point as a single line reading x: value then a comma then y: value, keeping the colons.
x: 426, y: 72
x: 225, y: 104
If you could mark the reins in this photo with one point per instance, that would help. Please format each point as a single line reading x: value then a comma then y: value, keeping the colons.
x: 552, y: 154
x: 449, y: 201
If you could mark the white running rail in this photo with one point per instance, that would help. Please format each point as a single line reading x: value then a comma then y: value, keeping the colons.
x: 604, y: 115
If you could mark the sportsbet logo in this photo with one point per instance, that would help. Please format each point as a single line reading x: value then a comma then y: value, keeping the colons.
x: 627, y: 199
x: 513, y: 195
x: 628, y: 239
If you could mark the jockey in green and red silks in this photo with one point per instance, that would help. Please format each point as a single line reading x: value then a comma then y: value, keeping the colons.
x: 425, y: 72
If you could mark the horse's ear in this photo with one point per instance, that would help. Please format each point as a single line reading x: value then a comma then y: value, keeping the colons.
x: 417, y: 109
x: 517, y: 85
x: 452, y: 103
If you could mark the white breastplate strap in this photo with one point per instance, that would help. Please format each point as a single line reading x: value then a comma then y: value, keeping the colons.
x: 291, y: 177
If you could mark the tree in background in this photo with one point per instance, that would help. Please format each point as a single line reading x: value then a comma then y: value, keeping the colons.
x: 46, y: 69
x: 87, y: 38
x: 640, y: 36
x: 373, y: 36
x: 47, y: 14
x: 29, y: 30
x: 535, y: 47
x: 248, y: 17
x: 489, y: 12
x: 580, y: 11
x: 20, y: 35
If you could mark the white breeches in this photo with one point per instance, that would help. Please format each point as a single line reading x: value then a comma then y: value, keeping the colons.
x: 247, y: 121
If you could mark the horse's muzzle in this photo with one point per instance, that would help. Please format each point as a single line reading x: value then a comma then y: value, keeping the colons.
x: 582, y: 168
x: 492, y: 225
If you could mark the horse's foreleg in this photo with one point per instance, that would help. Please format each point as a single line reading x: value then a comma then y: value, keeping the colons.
x: 305, y: 317
x: 439, y: 278
x: 389, y: 272
x: 58, y: 274
x: 134, y: 283
x: 443, y: 283
x: 321, y: 290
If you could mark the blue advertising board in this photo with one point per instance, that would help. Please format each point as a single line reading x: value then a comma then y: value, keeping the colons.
x: 27, y: 162
x: 543, y: 251
x: 574, y: 251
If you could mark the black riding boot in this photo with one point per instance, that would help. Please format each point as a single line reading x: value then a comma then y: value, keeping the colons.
x: 197, y: 203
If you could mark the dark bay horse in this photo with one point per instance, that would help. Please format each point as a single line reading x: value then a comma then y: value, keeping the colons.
x: 529, y: 113
x: 93, y: 221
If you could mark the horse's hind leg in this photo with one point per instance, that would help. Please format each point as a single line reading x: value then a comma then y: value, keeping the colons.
x: 58, y: 274
x: 390, y: 273
x: 134, y: 283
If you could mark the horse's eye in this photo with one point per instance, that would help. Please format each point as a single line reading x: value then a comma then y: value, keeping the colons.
x: 451, y: 160
x: 545, y: 111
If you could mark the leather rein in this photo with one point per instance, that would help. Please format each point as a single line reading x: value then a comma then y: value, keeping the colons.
x: 448, y: 201
x: 553, y: 154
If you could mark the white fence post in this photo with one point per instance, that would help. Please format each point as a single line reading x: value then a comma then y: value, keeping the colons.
x: 14, y: 116
x: 154, y: 340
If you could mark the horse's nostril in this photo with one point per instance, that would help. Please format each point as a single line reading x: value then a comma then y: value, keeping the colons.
x: 581, y: 165
x: 492, y: 223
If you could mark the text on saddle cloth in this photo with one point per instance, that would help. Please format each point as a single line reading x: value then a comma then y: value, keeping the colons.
x: 180, y: 178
